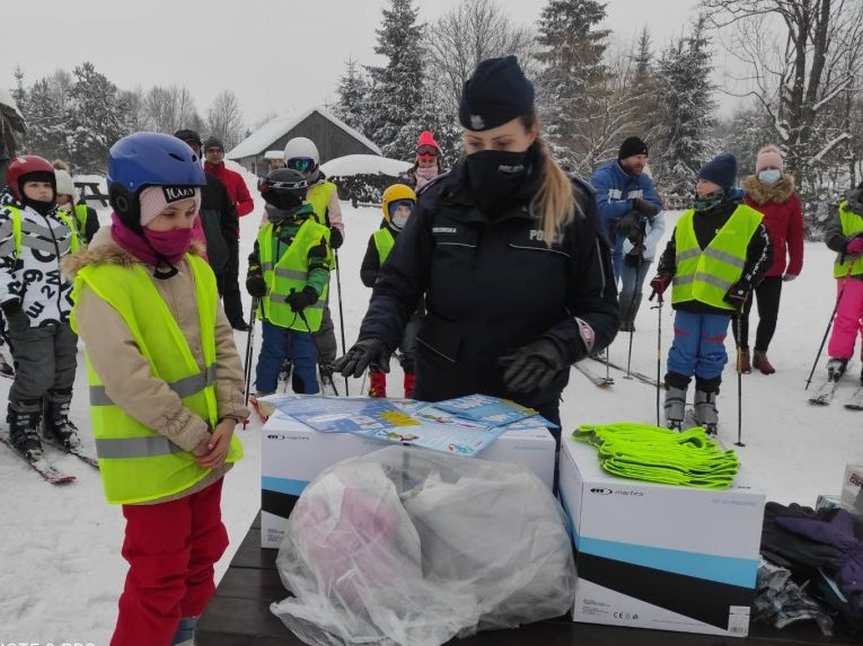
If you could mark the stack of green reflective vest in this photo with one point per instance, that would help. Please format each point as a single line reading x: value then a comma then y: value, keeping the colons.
x: 655, y: 454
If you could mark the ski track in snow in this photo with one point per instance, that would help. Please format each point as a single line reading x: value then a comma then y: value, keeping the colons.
x: 62, y: 571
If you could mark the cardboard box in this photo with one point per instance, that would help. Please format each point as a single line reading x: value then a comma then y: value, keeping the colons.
x: 292, y: 455
x: 658, y: 556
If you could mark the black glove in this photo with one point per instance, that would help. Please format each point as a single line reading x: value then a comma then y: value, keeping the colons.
x: 533, y: 367
x: 366, y: 353
x: 256, y: 286
x: 737, y: 294
x: 16, y: 317
x: 302, y: 299
x: 644, y: 207
x: 336, y: 238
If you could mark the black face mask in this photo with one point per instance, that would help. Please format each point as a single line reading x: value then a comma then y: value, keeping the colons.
x: 40, y: 207
x: 496, y: 177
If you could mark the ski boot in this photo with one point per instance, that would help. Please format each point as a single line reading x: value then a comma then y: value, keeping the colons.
x: 377, y: 385
x: 836, y: 369
x: 56, y: 425
x: 675, y: 407
x: 706, y: 415
x: 185, y: 634
x: 285, y: 373
x: 759, y: 360
x: 23, y: 419
x: 328, y: 386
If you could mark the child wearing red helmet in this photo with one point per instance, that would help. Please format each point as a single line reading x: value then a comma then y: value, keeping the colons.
x: 427, y: 165
x: 36, y: 302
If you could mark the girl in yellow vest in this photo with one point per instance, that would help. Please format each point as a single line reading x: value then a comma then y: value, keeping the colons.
x: 845, y: 236
x: 719, y: 252
x: 84, y: 217
x: 398, y: 204
x: 166, y: 385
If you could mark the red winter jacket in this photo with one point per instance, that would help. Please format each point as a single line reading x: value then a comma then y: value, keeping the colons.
x: 783, y: 217
x: 236, y: 186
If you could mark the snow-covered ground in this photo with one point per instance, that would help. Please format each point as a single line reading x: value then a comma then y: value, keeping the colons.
x: 60, y: 566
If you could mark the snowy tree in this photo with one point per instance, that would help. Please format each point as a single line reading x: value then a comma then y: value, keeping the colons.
x: 225, y: 120
x: 469, y: 33
x: 95, y: 118
x: 642, y: 85
x: 686, y: 118
x: 48, y: 123
x: 398, y: 87
x: 20, y: 92
x: 574, y: 78
x: 353, y: 94
x: 167, y: 109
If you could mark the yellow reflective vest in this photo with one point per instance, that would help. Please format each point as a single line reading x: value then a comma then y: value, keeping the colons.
x: 706, y: 275
x: 18, y: 230
x: 138, y: 464
x: 319, y: 196
x: 289, y: 273
x: 852, y: 224
x: 384, y: 243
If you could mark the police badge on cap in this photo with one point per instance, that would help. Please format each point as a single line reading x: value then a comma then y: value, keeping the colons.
x: 497, y: 92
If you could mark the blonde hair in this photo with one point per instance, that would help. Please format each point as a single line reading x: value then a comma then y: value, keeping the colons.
x: 555, y: 201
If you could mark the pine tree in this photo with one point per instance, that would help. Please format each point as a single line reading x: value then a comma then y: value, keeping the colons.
x: 643, y: 58
x: 97, y: 117
x: 397, y: 90
x: 353, y: 93
x: 20, y: 92
x: 643, y: 90
x: 573, y: 82
x: 686, y: 120
x: 46, y: 123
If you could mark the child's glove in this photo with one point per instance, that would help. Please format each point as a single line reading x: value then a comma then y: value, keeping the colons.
x: 659, y: 284
x: 336, y: 238
x: 854, y: 247
x: 302, y: 299
x: 256, y: 286
x: 737, y: 294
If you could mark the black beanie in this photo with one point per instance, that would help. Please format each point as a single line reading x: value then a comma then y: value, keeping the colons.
x: 189, y: 136
x: 632, y: 146
x: 497, y: 92
x: 213, y: 142
x: 721, y: 170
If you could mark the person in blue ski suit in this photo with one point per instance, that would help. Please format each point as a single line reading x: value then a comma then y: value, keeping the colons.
x: 622, y: 186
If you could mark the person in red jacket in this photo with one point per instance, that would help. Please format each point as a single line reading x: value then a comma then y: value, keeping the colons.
x: 771, y: 192
x: 238, y: 193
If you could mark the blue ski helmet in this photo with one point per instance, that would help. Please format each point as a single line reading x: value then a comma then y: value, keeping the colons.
x: 148, y: 159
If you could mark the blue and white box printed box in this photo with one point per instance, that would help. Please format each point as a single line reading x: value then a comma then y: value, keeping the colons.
x: 659, y: 556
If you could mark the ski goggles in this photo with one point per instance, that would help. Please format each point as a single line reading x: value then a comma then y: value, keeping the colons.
x: 426, y: 152
x: 395, y: 206
x: 275, y: 185
x: 301, y: 164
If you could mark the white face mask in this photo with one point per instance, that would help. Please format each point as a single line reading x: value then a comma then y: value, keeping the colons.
x: 399, y: 221
x: 770, y: 176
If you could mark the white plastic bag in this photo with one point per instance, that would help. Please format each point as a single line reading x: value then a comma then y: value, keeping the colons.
x: 405, y: 546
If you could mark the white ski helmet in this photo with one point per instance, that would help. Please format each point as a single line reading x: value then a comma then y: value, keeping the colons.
x: 302, y: 148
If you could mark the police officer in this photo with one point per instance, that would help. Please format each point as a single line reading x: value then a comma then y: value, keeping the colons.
x: 507, y: 251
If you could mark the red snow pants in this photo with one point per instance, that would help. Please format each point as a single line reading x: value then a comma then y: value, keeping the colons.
x: 171, y: 548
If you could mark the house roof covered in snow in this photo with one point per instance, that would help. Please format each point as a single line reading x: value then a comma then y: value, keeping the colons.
x: 261, y: 140
x: 351, y: 165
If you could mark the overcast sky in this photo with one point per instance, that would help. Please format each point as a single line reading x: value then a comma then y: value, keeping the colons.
x: 276, y: 56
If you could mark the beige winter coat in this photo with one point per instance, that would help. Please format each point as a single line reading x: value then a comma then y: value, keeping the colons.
x: 126, y: 373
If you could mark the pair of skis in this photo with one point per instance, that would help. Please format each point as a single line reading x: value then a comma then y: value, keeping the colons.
x: 46, y: 468
x: 826, y: 393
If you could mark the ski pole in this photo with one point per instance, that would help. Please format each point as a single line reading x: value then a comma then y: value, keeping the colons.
x: 739, y: 441
x: 630, y: 316
x: 658, y: 307
x: 247, y: 367
x: 341, y: 315
x: 827, y: 331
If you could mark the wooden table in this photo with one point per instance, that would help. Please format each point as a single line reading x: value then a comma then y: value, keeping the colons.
x: 239, y: 615
x: 91, y: 191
